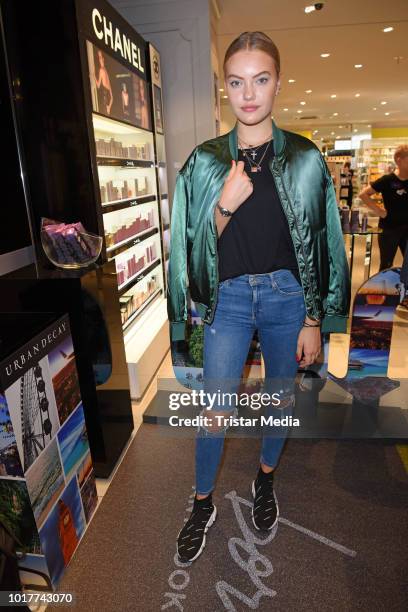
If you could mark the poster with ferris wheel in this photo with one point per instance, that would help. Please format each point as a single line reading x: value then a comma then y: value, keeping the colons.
x: 47, y: 485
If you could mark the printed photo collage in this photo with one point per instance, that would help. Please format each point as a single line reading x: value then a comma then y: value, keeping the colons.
x: 47, y: 484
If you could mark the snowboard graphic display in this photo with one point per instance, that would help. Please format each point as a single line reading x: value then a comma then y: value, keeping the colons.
x: 372, y: 319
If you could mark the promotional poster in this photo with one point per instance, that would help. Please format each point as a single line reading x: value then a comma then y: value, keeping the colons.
x: 48, y: 494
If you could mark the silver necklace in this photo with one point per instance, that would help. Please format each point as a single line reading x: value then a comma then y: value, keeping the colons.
x: 256, y: 166
x: 254, y: 148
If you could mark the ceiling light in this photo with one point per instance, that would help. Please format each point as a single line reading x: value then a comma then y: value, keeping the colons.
x: 285, y: 109
x: 333, y: 96
x: 340, y: 126
x: 315, y: 131
x: 325, y: 55
x: 332, y: 133
x: 355, y: 130
x: 337, y: 137
x: 388, y: 29
x: 303, y: 103
x: 225, y: 96
x: 335, y: 114
x: 221, y: 89
x: 369, y: 125
x: 291, y: 81
x: 308, y: 91
x: 357, y: 95
x: 299, y: 111
x: 383, y: 102
x: 358, y: 65
x: 386, y: 113
x: 374, y: 108
x: 310, y: 8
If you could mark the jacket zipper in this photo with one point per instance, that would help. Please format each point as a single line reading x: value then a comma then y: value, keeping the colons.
x: 216, y: 259
x: 316, y: 314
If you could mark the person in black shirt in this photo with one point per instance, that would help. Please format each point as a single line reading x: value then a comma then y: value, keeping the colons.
x: 394, y: 216
x: 346, y: 178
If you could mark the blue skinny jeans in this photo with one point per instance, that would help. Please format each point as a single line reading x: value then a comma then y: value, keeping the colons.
x: 273, y: 303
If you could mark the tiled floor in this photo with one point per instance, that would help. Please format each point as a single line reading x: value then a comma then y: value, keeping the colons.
x: 337, y: 356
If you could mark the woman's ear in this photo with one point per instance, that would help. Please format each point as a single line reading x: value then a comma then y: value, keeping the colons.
x: 278, y: 86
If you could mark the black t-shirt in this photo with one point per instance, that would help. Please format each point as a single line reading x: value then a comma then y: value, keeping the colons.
x: 394, y: 192
x: 257, y: 239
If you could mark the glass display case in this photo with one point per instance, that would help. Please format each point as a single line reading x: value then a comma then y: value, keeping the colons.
x: 130, y: 175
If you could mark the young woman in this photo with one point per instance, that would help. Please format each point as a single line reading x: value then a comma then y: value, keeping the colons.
x: 255, y: 230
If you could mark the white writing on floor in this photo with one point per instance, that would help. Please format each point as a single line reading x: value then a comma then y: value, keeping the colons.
x: 179, y: 578
x: 257, y: 566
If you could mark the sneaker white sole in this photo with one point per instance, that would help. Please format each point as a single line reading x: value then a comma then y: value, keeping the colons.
x: 252, y: 509
x: 206, y: 528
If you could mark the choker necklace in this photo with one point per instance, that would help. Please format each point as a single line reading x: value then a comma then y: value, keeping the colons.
x: 254, y: 148
x: 256, y: 166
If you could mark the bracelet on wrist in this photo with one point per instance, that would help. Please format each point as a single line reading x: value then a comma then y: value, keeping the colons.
x: 317, y: 324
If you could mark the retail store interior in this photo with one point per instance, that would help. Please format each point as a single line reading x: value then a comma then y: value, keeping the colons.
x: 342, y: 527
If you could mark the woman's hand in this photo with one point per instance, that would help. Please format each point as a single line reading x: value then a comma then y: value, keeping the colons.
x: 309, y: 345
x: 237, y: 187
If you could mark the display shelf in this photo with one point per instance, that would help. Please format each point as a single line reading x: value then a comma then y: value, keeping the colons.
x: 146, y: 342
x: 150, y: 321
x: 124, y: 162
x: 106, y: 124
x: 118, y: 183
x: 117, y: 205
x: 133, y: 280
x: 137, y: 313
x: 133, y: 241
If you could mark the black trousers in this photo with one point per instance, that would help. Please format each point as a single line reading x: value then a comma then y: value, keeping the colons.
x: 389, y: 241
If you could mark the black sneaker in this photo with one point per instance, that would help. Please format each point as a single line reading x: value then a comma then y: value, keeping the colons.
x: 265, y: 510
x: 191, y: 539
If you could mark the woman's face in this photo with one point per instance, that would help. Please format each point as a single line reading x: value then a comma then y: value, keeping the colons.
x: 251, y: 83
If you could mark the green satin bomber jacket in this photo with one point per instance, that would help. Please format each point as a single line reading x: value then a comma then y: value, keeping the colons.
x: 308, y: 199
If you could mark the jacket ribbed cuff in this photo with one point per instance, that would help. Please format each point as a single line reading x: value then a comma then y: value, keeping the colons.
x: 334, y: 324
x: 177, y: 330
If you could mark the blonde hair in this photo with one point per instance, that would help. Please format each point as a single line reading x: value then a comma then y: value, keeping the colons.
x: 401, y: 151
x: 250, y: 41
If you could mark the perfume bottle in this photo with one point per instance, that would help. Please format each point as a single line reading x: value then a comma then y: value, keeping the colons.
x: 345, y: 219
x: 354, y: 221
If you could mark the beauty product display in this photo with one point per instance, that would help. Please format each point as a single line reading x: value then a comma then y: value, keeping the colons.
x: 69, y: 245
x: 125, y: 227
x: 114, y: 190
x: 364, y: 223
x: 128, y: 267
x: 132, y: 301
x: 115, y: 148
